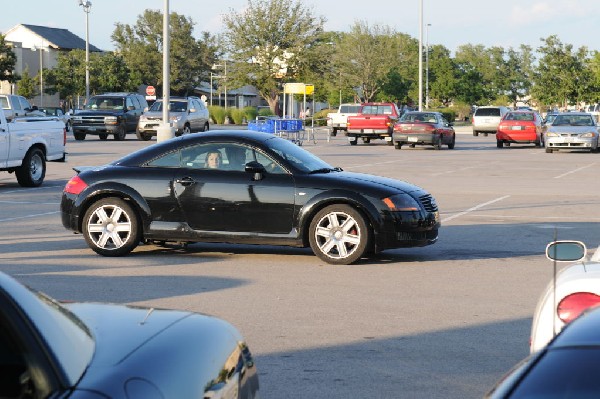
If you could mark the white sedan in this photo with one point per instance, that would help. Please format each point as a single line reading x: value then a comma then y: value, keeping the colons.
x: 573, y: 290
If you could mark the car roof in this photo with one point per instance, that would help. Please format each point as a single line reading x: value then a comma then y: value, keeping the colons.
x: 583, y: 331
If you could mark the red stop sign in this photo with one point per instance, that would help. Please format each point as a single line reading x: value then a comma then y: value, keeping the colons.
x: 150, y: 91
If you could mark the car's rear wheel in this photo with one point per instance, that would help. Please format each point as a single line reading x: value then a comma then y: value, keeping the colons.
x: 334, y: 132
x: 205, y: 127
x: 103, y: 136
x: 339, y: 234
x: 79, y: 136
x: 398, y: 146
x: 111, y: 227
x: 475, y: 133
x: 438, y: 143
x: 366, y: 140
x: 186, y: 129
x: 32, y: 171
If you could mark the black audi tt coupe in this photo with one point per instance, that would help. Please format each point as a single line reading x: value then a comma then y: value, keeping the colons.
x: 244, y: 187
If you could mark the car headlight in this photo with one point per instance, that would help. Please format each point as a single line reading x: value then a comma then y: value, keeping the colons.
x: 552, y: 134
x: 175, y: 118
x: 110, y: 120
x: 588, y: 135
x: 143, y: 118
x: 401, y: 202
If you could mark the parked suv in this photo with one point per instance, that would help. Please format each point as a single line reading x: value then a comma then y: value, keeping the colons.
x: 14, y: 106
x: 186, y: 114
x: 487, y: 119
x: 109, y: 113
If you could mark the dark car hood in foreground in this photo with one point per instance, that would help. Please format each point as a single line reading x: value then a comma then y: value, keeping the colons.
x: 365, y: 181
x: 179, y: 353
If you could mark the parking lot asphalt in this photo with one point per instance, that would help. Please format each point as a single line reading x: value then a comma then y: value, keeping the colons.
x: 444, y: 321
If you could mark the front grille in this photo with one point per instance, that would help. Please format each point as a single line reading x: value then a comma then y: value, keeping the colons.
x: 428, y: 203
x: 89, y: 120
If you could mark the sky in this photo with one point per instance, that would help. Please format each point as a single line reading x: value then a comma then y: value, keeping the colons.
x: 506, y: 23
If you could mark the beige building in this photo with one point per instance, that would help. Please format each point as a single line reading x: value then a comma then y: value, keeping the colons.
x: 38, y: 47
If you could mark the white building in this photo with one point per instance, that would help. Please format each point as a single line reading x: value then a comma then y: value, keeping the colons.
x: 38, y: 47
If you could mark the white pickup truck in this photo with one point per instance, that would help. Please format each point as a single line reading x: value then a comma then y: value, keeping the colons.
x: 27, y: 143
x: 338, y: 120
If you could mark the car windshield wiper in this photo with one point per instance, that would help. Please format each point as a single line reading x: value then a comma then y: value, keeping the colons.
x: 325, y: 170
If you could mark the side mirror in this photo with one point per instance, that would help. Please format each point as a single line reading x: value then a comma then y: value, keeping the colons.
x: 192, y: 110
x: 255, y: 167
x: 130, y: 108
x: 566, y: 251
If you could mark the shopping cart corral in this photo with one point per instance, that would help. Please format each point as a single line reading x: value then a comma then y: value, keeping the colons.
x: 288, y: 128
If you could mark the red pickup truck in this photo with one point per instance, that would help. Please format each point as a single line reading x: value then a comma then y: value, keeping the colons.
x: 374, y: 121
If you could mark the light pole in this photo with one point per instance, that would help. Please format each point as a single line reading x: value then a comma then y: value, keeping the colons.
x: 427, y: 67
x: 41, y: 48
x: 224, y: 76
x: 87, y: 5
x: 211, y: 87
x: 420, y: 55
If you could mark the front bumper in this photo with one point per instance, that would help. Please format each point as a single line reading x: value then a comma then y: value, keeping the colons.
x: 95, y: 129
x: 572, y: 143
x: 151, y: 127
x: 408, y: 229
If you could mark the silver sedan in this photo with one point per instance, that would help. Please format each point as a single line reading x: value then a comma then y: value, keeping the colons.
x: 572, y: 131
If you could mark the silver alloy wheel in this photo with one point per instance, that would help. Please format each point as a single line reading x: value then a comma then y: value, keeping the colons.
x: 36, y: 166
x: 338, y: 235
x: 109, y: 227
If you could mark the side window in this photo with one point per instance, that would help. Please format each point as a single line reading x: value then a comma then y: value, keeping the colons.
x: 135, y: 101
x: 143, y: 102
x: 204, y: 156
x: 270, y: 165
x: 24, y: 103
x: 171, y: 160
x: 129, y: 103
x: 15, y: 104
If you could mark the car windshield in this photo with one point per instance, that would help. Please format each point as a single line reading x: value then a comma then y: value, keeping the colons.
x: 174, y: 106
x: 550, y: 118
x: 573, y: 120
x: 107, y: 103
x: 297, y: 156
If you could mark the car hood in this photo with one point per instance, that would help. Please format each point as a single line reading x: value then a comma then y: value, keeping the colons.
x: 571, y: 129
x: 170, y: 348
x: 361, y: 182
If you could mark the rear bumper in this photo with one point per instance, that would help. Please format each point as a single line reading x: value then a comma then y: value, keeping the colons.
x: 416, y: 138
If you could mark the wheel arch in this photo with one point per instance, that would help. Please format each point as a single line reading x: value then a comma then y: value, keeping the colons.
x: 365, y: 207
x: 124, y: 192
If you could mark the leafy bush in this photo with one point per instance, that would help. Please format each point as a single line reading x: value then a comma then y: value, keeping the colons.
x: 250, y: 113
x: 217, y: 114
x: 321, y: 116
x: 265, y: 112
x: 237, y: 115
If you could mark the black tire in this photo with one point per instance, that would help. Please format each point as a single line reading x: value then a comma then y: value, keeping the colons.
x: 549, y: 150
x: 186, y: 129
x: 79, y: 136
x: 111, y: 227
x: 205, y: 127
x: 334, y: 132
x: 438, y: 144
x: 353, y: 142
x: 475, y: 133
x: 32, y: 171
x: 339, y: 234
x: 485, y: 135
x: 68, y: 126
x: 366, y: 140
x: 143, y: 136
x: 391, y: 142
x: 103, y: 136
x: 120, y: 133
x: 397, y: 146
x: 452, y: 142
x: 499, y: 143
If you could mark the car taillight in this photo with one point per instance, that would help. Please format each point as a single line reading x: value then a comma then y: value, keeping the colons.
x: 75, y: 185
x: 573, y: 305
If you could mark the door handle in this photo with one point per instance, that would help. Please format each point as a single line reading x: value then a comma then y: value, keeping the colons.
x: 185, y: 181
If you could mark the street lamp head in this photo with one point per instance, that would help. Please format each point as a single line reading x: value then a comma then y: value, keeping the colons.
x: 86, y: 4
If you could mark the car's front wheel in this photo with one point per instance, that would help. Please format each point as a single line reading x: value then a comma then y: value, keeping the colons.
x: 111, y: 227
x: 339, y: 234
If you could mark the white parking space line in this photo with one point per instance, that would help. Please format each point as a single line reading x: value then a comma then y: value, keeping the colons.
x: 28, y: 216
x: 374, y: 164
x: 22, y: 190
x: 474, y: 208
x: 574, y: 171
x: 30, y: 202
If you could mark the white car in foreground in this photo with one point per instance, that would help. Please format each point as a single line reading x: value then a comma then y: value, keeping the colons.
x: 573, y: 290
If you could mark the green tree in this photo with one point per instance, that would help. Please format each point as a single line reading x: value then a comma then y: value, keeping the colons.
x: 27, y: 85
x: 562, y: 76
x: 141, y: 47
x: 443, y: 75
x: 68, y: 76
x: 267, y: 42
x: 7, y: 62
